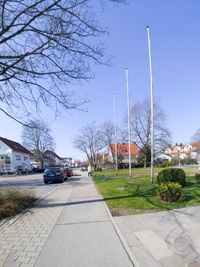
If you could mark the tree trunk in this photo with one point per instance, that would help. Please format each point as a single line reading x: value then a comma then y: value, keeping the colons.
x: 145, y: 161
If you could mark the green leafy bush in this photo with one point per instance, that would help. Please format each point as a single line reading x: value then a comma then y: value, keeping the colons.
x: 172, y: 175
x: 170, y: 192
x: 197, y: 178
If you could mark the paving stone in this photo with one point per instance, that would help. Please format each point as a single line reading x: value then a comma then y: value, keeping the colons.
x: 24, y: 238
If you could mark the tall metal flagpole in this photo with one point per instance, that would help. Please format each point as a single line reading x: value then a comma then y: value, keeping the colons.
x: 152, y: 106
x: 129, y: 128
x: 114, y: 111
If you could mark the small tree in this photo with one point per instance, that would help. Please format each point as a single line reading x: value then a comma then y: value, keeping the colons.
x: 90, y: 141
x: 140, y: 119
x: 37, y: 138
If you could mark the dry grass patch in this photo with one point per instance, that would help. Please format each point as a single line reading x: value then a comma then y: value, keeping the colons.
x: 13, y: 201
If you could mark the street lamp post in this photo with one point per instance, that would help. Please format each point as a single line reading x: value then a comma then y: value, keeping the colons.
x: 129, y: 127
x: 114, y: 111
x: 152, y: 106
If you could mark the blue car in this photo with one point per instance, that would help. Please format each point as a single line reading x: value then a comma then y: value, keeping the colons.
x: 55, y: 174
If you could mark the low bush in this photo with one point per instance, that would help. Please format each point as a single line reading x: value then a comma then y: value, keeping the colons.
x: 170, y: 192
x: 197, y: 178
x: 13, y: 201
x: 175, y: 175
x: 165, y: 163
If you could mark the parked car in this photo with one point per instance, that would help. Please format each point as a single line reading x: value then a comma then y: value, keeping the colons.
x: 54, y: 174
x: 68, y: 171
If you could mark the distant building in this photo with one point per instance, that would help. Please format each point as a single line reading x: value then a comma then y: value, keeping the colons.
x: 51, y: 159
x: 67, y: 161
x: 183, y: 151
x: 13, y: 156
x: 161, y: 156
x: 123, y: 153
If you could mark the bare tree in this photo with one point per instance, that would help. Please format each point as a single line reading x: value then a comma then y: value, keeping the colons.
x: 37, y: 138
x: 108, y: 133
x: 44, y: 46
x: 141, y: 128
x: 90, y: 142
x: 196, y: 136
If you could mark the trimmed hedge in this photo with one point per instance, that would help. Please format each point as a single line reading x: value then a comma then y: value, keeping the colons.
x: 175, y: 175
x: 170, y: 192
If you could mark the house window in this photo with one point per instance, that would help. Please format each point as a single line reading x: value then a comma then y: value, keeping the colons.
x: 2, y: 157
x: 25, y: 158
x: 17, y: 157
x: 7, y: 160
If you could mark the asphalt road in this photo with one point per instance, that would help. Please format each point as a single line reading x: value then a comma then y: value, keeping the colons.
x: 33, y: 181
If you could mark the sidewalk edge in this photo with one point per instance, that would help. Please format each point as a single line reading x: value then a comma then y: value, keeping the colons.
x: 122, y: 239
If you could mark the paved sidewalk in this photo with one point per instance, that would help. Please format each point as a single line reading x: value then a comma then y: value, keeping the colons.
x: 84, y: 234
x: 167, y: 239
x: 71, y: 227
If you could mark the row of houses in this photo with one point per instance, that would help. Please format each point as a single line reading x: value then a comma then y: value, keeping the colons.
x: 182, y: 151
x: 14, y: 156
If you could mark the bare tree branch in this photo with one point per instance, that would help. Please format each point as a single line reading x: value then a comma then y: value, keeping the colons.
x: 44, y: 43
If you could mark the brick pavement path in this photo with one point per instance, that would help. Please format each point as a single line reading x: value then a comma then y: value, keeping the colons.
x: 22, y: 240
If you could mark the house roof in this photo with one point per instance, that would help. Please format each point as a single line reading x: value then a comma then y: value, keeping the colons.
x: 161, y: 152
x: 15, y: 146
x: 53, y: 153
x: 123, y: 149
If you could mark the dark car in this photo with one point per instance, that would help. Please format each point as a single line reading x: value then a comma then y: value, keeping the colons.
x: 55, y: 174
x: 68, y: 171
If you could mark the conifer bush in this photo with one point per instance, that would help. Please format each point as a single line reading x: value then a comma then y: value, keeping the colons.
x: 170, y: 192
x: 175, y: 175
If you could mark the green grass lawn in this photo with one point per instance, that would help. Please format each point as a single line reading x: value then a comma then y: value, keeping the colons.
x: 137, y: 195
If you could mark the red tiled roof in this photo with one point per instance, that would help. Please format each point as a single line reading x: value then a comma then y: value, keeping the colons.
x: 15, y: 146
x: 123, y: 149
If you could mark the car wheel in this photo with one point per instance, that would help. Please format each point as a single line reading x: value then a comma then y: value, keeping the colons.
x: 62, y: 180
x: 45, y: 182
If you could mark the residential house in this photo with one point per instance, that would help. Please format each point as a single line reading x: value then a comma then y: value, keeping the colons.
x: 161, y: 156
x: 13, y: 156
x: 123, y: 153
x: 183, y: 151
x: 51, y: 159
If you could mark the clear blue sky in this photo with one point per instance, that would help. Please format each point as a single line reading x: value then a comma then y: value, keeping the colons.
x: 175, y: 38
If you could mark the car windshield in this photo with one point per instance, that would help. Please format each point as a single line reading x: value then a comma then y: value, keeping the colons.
x: 52, y: 170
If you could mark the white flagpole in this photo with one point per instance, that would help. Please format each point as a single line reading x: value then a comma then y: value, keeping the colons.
x: 114, y: 111
x: 129, y: 128
x: 152, y: 106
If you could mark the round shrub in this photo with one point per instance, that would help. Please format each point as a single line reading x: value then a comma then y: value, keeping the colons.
x: 175, y: 175
x: 170, y: 192
x: 197, y: 178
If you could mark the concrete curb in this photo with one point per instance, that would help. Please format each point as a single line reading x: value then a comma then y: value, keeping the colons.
x: 17, y: 217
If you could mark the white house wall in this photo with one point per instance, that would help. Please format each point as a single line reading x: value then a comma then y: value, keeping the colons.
x: 22, y: 162
x: 7, y: 151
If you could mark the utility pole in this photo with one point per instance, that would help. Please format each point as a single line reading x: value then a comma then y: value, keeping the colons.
x: 152, y: 105
x: 129, y: 128
x: 114, y: 113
